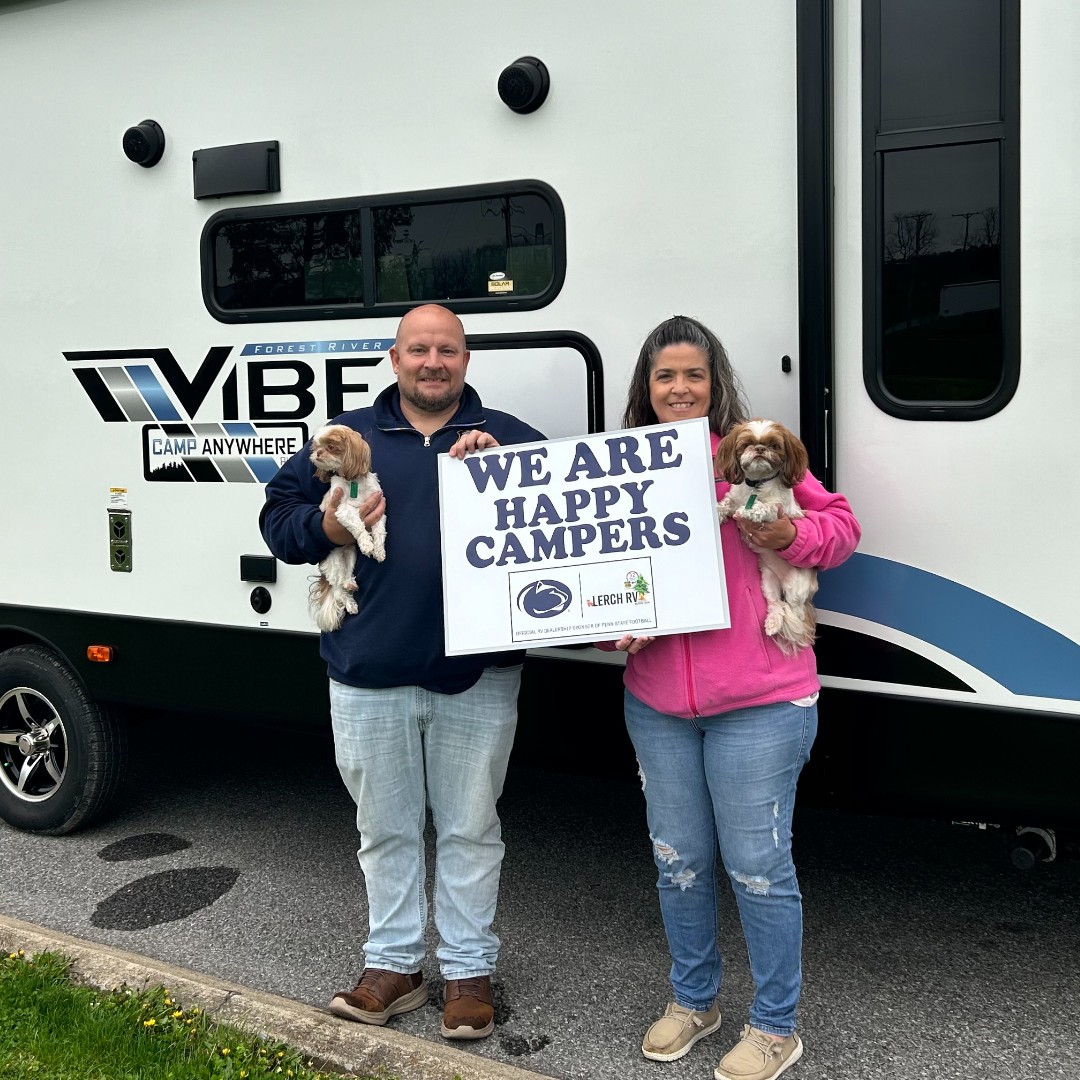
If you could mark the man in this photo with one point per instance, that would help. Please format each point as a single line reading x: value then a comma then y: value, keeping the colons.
x: 412, y: 726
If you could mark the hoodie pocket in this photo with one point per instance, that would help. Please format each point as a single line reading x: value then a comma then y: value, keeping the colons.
x: 753, y: 612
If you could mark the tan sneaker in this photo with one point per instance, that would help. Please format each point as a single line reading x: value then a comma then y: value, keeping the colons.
x: 759, y: 1056
x: 671, y: 1037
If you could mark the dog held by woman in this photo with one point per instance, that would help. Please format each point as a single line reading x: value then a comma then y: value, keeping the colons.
x: 342, y: 457
x: 763, y: 461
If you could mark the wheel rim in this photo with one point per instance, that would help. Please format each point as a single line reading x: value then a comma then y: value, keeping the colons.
x: 33, y: 745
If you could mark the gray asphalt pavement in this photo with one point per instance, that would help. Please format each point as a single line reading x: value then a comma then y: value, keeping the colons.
x: 926, y: 953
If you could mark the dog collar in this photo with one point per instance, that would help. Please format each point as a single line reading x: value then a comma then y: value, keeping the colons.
x: 764, y: 480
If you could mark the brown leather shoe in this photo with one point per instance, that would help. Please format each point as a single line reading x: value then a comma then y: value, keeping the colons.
x: 468, y: 1008
x: 379, y: 995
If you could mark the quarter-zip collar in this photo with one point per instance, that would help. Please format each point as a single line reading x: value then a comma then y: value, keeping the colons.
x: 389, y: 417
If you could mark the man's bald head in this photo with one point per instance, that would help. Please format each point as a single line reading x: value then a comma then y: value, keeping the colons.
x: 429, y: 314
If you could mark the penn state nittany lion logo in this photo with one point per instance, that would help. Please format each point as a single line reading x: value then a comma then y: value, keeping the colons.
x: 544, y: 599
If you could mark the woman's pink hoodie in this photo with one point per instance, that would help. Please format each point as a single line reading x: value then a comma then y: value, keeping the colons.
x: 715, y: 671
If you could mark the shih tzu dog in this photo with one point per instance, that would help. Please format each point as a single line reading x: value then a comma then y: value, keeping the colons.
x: 342, y: 457
x: 763, y: 461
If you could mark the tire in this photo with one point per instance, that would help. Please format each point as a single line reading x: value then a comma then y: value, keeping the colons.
x: 62, y: 757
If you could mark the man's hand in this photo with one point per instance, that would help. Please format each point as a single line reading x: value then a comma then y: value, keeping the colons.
x: 370, y: 510
x: 468, y: 441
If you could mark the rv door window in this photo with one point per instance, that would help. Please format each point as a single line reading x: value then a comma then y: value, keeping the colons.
x: 941, y: 206
x: 941, y: 295
x: 940, y: 63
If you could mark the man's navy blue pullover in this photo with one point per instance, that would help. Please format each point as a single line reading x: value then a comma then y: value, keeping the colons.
x: 397, y: 638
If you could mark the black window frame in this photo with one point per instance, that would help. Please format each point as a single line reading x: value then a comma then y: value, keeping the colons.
x: 1006, y: 133
x: 365, y: 204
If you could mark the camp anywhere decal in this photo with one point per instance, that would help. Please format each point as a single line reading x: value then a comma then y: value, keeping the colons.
x: 237, y: 453
x: 181, y: 443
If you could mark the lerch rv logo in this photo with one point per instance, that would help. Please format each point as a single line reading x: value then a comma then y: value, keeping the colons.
x: 635, y: 591
x: 234, y: 445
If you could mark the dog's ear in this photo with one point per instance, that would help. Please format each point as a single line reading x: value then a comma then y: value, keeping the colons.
x: 316, y: 441
x: 796, y: 459
x: 356, y: 456
x: 727, y: 457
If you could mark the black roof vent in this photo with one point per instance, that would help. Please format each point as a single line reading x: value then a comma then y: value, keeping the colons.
x: 145, y: 143
x: 523, y: 86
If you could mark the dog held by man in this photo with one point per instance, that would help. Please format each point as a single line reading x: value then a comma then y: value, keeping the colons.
x: 342, y: 458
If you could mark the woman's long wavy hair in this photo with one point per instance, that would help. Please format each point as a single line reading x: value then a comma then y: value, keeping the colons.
x: 727, y: 405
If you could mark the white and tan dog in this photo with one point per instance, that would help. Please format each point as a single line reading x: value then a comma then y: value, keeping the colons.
x: 342, y: 457
x: 763, y: 461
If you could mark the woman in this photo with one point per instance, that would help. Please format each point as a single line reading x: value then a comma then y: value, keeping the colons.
x: 722, y: 723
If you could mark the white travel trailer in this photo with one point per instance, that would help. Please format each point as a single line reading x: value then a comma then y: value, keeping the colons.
x: 214, y: 213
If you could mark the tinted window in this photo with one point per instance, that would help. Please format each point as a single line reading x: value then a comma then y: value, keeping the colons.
x: 296, y: 261
x: 941, y: 284
x: 486, y: 247
x: 940, y: 63
x: 941, y: 167
x: 454, y: 250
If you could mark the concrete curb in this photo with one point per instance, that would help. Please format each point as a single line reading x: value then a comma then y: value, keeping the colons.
x: 315, y: 1032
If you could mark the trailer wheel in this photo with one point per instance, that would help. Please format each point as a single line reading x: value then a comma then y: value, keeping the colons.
x: 62, y: 757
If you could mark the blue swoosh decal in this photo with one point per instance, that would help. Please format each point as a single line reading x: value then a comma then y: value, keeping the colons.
x: 1017, y: 651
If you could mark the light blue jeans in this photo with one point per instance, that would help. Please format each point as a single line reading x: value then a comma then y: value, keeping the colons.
x: 400, y: 750
x: 728, y: 778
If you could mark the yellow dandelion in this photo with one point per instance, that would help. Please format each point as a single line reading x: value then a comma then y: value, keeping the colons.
x: 168, y: 1001
x: 281, y: 1053
x: 13, y: 956
x: 149, y: 1023
x: 177, y: 1014
x: 225, y: 1051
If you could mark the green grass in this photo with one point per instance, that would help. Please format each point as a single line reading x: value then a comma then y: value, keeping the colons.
x: 51, y: 1028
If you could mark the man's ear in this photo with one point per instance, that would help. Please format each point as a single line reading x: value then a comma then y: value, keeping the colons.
x: 394, y: 357
x: 465, y: 360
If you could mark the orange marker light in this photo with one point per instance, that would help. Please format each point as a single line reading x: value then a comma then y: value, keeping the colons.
x: 99, y: 654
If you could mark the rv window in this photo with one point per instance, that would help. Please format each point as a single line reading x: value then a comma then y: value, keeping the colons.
x: 941, y: 279
x: 294, y: 261
x: 940, y: 63
x: 457, y: 250
x: 481, y: 248
x: 941, y: 206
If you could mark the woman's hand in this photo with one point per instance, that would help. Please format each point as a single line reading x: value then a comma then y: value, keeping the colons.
x: 630, y: 644
x: 774, y: 535
x: 469, y: 441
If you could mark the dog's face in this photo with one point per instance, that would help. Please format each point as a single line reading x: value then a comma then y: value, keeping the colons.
x: 760, y: 448
x: 337, y: 449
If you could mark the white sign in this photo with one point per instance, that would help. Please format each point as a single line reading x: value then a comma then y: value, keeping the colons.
x: 581, y: 539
